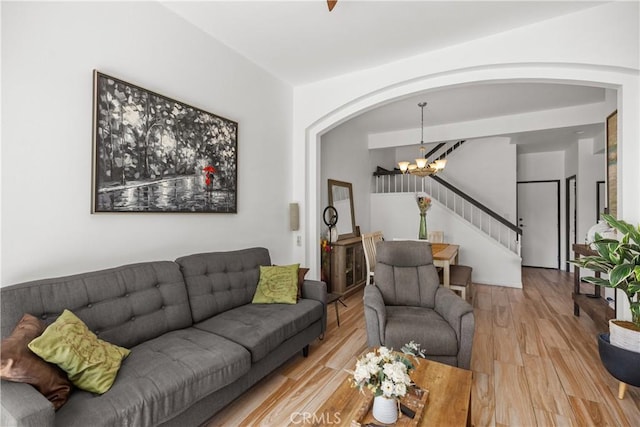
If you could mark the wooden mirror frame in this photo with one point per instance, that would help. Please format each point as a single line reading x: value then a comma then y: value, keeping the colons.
x: 342, y: 218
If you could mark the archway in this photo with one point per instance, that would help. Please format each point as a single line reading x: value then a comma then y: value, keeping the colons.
x: 624, y: 81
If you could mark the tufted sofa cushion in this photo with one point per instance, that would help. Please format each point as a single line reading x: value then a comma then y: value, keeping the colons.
x: 160, y: 378
x: 126, y: 305
x: 219, y: 281
x: 261, y: 328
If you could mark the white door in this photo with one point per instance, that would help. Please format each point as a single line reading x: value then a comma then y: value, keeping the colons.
x: 539, y: 219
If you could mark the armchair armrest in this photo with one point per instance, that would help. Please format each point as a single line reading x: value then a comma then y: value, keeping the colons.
x: 375, y: 315
x: 317, y: 290
x: 459, y: 314
x: 24, y: 406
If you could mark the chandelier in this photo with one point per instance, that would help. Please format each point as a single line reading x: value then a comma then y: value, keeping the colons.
x: 422, y: 167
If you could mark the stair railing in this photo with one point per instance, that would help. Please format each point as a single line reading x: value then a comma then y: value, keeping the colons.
x: 477, y: 214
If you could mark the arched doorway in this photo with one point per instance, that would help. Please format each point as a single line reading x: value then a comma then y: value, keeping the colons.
x: 597, y: 76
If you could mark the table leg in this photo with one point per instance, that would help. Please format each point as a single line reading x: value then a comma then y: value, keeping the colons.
x: 445, y: 274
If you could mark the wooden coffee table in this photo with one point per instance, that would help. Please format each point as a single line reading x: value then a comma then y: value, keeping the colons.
x: 448, y: 404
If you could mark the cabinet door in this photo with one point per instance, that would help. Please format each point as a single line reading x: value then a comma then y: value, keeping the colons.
x: 350, y: 272
x: 359, y: 265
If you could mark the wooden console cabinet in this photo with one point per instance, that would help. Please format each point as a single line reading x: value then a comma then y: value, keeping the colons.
x: 348, y: 269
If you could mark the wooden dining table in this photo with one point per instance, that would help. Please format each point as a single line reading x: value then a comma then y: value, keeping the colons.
x: 445, y: 255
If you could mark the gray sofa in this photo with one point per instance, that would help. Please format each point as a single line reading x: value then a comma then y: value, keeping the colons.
x: 196, y: 340
x: 406, y: 303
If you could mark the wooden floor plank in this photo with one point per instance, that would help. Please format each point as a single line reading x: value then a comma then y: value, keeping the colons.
x: 534, y: 363
x: 590, y: 413
x: 573, y: 375
x: 505, y: 346
x: 483, y: 351
x: 484, y: 321
x: 545, y: 387
x: 544, y: 418
x: 483, y: 403
x: 513, y: 402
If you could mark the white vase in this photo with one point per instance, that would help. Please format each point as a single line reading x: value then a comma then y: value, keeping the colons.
x: 623, y: 337
x: 385, y: 410
x: 601, y: 228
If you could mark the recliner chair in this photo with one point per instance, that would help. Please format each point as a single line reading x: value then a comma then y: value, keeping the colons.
x: 406, y: 304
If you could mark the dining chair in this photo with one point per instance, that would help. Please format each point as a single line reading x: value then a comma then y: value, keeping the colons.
x: 436, y: 236
x: 369, y: 241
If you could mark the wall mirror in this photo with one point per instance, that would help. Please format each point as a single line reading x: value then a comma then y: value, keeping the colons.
x: 341, y: 198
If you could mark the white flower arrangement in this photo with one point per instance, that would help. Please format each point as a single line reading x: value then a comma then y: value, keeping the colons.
x: 413, y: 348
x: 384, y: 373
x: 423, y: 201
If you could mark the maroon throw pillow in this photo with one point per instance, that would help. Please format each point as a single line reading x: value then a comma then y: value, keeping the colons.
x: 21, y: 365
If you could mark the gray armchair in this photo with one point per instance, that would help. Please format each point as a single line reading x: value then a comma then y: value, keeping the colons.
x: 407, y: 303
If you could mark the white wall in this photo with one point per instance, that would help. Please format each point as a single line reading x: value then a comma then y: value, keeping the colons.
x: 563, y: 49
x: 485, y: 169
x: 48, y: 53
x: 530, y: 166
x: 591, y: 169
x: 345, y: 157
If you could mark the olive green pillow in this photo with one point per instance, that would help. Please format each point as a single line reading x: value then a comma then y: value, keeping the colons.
x: 91, y: 363
x: 278, y: 284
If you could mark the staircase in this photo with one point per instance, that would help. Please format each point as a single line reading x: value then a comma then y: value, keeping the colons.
x: 475, y: 213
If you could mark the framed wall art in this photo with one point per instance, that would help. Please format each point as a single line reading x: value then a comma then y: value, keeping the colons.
x: 612, y: 164
x: 152, y: 153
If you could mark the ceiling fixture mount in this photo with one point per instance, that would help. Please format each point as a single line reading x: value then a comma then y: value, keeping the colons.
x: 422, y: 167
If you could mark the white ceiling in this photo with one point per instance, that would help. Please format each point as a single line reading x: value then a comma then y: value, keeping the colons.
x: 301, y: 42
x: 480, y: 101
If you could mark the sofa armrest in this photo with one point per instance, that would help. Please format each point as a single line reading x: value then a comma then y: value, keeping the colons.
x: 23, y: 405
x: 317, y: 290
x: 467, y: 328
x: 459, y: 314
x: 375, y: 315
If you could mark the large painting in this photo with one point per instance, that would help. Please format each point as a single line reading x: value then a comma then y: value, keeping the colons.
x: 155, y: 154
x: 612, y: 164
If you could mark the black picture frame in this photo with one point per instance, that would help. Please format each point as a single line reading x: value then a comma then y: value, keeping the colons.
x: 152, y: 153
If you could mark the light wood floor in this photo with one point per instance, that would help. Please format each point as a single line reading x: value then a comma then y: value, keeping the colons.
x: 533, y: 363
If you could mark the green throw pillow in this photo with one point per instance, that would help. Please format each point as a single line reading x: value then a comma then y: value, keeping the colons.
x: 91, y: 363
x: 278, y: 284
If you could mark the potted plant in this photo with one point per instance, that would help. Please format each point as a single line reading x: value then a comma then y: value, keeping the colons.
x: 620, y: 260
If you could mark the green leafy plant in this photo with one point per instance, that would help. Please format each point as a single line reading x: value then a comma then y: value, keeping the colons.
x: 620, y: 260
